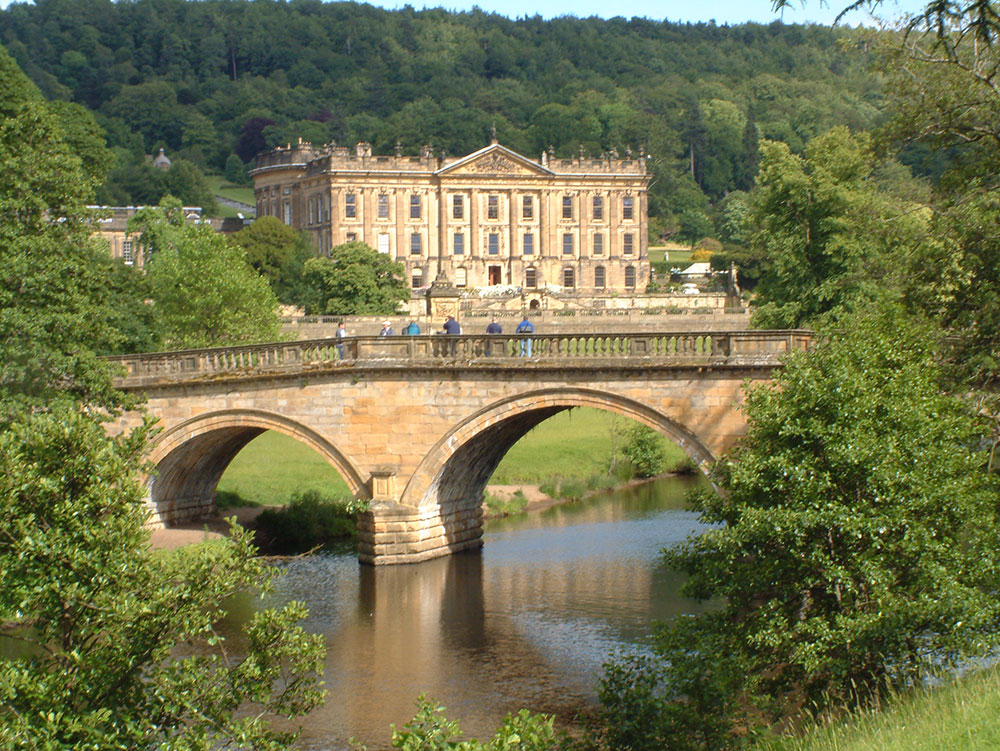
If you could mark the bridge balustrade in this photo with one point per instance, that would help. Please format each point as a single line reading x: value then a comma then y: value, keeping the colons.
x: 467, y: 350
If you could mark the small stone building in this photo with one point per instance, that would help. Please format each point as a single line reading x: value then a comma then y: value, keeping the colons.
x: 493, y: 217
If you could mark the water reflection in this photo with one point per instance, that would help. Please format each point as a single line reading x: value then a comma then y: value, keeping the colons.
x: 527, y: 621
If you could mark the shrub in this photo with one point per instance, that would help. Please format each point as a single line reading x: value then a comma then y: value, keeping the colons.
x: 644, y: 451
x: 500, y: 506
x: 310, y: 519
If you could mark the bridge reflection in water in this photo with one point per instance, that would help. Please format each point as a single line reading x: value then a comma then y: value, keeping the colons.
x: 418, y: 424
x: 526, y: 622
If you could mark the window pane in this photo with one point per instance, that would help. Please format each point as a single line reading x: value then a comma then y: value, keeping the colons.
x: 383, y: 244
x: 530, y: 278
x: 457, y: 207
x: 417, y: 278
x: 529, y: 244
x: 415, y: 245
x: 494, y: 244
x: 458, y: 244
x: 627, y: 244
x: 527, y: 208
x: 383, y: 206
x: 599, y: 277
x: 350, y: 206
x: 599, y: 244
x: 461, y: 277
x: 567, y: 207
x: 414, y: 207
x: 492, y: 207
x: 627, y: 207
x: 630, y: 276
x: 598, y: 208
x: 568, y: 244
x: 569, y: 279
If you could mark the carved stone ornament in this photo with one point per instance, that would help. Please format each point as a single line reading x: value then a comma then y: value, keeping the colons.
x: 496, y: 163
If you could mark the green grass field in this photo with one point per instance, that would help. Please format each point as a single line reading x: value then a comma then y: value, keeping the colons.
x: 959, y: 716
x: 222, y: 188
x: 577, y: 443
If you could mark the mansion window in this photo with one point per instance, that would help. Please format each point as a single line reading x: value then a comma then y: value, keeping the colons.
x: 127, y: 255
x: 383, y: 206
x: 350, y: 206
x: 461, y: 277
x: 528, y: 247
x: 599, y: 277
x: 569, y: 278
x: 326, y: 208
x: 527, y: 208
x: 286, y: 216
x: 352, y: 237
x: 630, y: 277
x: 493, y: 244
x: 568, y: 244
x: 567, y: 207
x: 598, y: 244
x: 311, y: 203
x: 627, y: 207
x: 383, y: 243
x: 627, y: 246
x: 457, y: 207
x: 492, y: 207
x: 458, y: 244
x: 530, y: 278
x: 417, y: 279
x: 598, y: 208
x: 414, y: 207
x: 416, y: 244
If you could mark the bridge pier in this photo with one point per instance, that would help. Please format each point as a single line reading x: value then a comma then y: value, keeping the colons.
x: 390, y: 533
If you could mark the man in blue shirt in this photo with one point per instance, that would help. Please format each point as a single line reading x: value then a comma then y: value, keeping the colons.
x: 525, y: 327
x: 451, y: 326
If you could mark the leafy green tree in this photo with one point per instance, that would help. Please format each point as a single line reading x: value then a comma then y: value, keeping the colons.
x: 824, y: 232
x: 644, y: 451
x: 279, y: 253
x: 204, y: 291
x: 354, y: 280
x: 52, y: 275
x: 100, y: 617
x: 852, y: 548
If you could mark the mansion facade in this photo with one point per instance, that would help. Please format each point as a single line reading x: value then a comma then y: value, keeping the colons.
x: 493, y: 217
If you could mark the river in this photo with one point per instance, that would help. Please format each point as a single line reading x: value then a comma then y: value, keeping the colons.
x: 526, y: 622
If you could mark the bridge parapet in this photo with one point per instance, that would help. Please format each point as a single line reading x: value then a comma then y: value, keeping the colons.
x: 488, y: 351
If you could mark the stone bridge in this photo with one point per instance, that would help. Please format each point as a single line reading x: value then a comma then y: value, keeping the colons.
x: 418, y: 424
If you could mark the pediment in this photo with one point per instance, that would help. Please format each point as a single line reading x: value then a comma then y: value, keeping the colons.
x: 494, y: 160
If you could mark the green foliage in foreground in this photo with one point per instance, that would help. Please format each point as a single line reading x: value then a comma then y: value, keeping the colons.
x: 430, y: 730
x: 958, y: 716
x: 644, y: 451
x: 853, y: 546
x: 101, y: 618
x: 354, y: 280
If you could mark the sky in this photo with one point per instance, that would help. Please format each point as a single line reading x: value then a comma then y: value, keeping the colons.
x: 723, y: 11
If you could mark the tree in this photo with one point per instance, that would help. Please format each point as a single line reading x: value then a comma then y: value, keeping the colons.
x: 204, y: 292
x: 101, y: 617
x: 279, y: 253
x: 824, y: 231
x: 354, y: 280
x: 851, y: 550
x: 52, y: 275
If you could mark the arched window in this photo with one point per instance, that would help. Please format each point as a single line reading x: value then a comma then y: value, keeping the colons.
x: 569, y: 278
x: 599, y: 277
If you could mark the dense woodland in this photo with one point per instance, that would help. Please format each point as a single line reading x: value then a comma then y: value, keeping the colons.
x: 214, y: 83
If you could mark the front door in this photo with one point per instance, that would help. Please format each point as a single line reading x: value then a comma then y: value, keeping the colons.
x: 494, y: 275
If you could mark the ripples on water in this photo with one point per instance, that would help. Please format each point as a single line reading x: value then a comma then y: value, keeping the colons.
x: 526, y: 622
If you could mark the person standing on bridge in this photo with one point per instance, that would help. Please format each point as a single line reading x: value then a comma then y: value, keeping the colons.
x: 492, y: 328
x: 412, y: 329
x: 341, y: 335
x: 525, y: 327
x: 387, y: 329
x: 451, y: 326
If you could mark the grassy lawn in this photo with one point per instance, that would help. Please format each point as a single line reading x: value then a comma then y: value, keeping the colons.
x: 960, y: 716
x: 577, y: 443
x: 222, y: 188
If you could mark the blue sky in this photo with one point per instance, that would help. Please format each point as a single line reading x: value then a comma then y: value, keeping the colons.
x: 723, y: 11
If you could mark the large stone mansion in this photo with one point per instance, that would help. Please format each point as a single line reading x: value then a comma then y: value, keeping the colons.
x: 493, y: 217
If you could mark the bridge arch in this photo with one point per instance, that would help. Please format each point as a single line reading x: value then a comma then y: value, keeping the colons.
x: 455, y: 471
x: 191, y: 457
